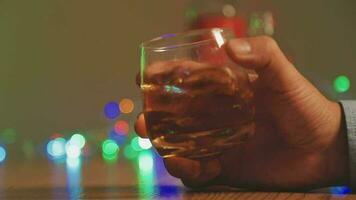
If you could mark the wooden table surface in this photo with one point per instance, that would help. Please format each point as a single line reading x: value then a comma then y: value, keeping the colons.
x: 96, y: 179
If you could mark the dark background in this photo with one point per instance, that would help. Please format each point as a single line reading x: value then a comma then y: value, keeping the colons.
x: 62, y: 61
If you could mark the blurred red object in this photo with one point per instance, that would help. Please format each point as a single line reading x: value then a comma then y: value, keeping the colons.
x: 238, y: 24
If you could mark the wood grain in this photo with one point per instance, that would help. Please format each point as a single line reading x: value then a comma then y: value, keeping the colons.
x: 98, y: 180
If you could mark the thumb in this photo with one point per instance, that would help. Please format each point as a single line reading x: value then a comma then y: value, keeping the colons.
x: 303, y: 115
x: 263, y: 55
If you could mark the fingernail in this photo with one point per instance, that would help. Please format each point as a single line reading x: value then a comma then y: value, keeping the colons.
x: 240, y: 46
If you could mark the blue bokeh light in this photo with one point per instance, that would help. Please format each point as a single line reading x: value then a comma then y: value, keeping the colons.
x: 2, y: 154
x: 118, y: 138
x: 112, y: 110
x: 340, y: 191
x: 56, y: 148
x: 169, y: 190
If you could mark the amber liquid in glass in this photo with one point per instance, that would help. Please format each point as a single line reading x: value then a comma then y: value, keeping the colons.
x: 196, y: 110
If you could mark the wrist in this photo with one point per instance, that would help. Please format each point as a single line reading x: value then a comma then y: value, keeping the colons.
x: 336, y: 155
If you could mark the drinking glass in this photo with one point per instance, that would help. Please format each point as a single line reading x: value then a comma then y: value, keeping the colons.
x: 197, y: 102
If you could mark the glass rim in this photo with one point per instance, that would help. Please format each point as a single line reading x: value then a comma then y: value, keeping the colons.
x: 149, y: 44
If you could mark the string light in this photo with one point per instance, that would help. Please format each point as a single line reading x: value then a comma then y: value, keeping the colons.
x: 112, y: 110
x: 56, y: 148
x: 72, y: 151
x: 340, y: 191
x: 118, y: 138
x: 191, y: 13
x: 129, y: 152
x: 109, y: 147
x: 145, y: 161
x: 110, y: 157
x: 28, y: 149
x: 126, y: 106
x: 121, y: 127
x: 144, y: 143
x: 134, y: 144
x: 8, y: 136
x: 78, y: 140
x: 229, y: 10
x: 2, y: 154
x: 342, y: 84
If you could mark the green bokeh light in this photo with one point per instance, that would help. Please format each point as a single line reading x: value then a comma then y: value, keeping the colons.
x: 129, y: 152
x: 191, y: 13
x: 135, y: 145
x: 342, y: 84
x: 110, y: 157
x: 145, y: 161
x: 110, y: 147
x: 146, y: 174
x: 8, y: 136
x: 29, y: 149
x: 78, y: 140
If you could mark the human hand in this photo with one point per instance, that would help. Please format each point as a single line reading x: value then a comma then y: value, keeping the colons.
x: 299, y: 141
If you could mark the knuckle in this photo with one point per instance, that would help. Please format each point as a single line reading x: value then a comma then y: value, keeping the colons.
x: 269, y: 43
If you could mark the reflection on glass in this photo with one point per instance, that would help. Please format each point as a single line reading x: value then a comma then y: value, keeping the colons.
x: 73, y: 168
x: 146, y: 174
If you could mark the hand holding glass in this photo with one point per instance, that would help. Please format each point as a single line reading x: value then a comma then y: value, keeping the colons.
x: 197, y: 102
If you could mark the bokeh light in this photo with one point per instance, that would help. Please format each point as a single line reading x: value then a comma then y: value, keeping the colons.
x: 229, y: 10
x: 342, y: 84
x: 77, y: 140
x: 126, y: 105
x: 110, y: 147
x: 74, y: 176
x: 72, y: 150
x: 129, y: 152
x: 144, y: 143
x: 121, y: 127
x: 56, y: 148
x: 112, y: 110
x: 73, y: 163
x: 145, y: 161
x: 191, y: 14
x: 28, y: 149
x: 2, y: 154
x: 340, y: 191
x: 56, y: 135
x: 110, y: 157
x: 8, y: 136
x: 146, y: 174
x: 118, y: 138
x: 134, y: 144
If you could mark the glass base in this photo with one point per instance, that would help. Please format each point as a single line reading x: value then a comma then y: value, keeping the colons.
x: 203, y: 144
